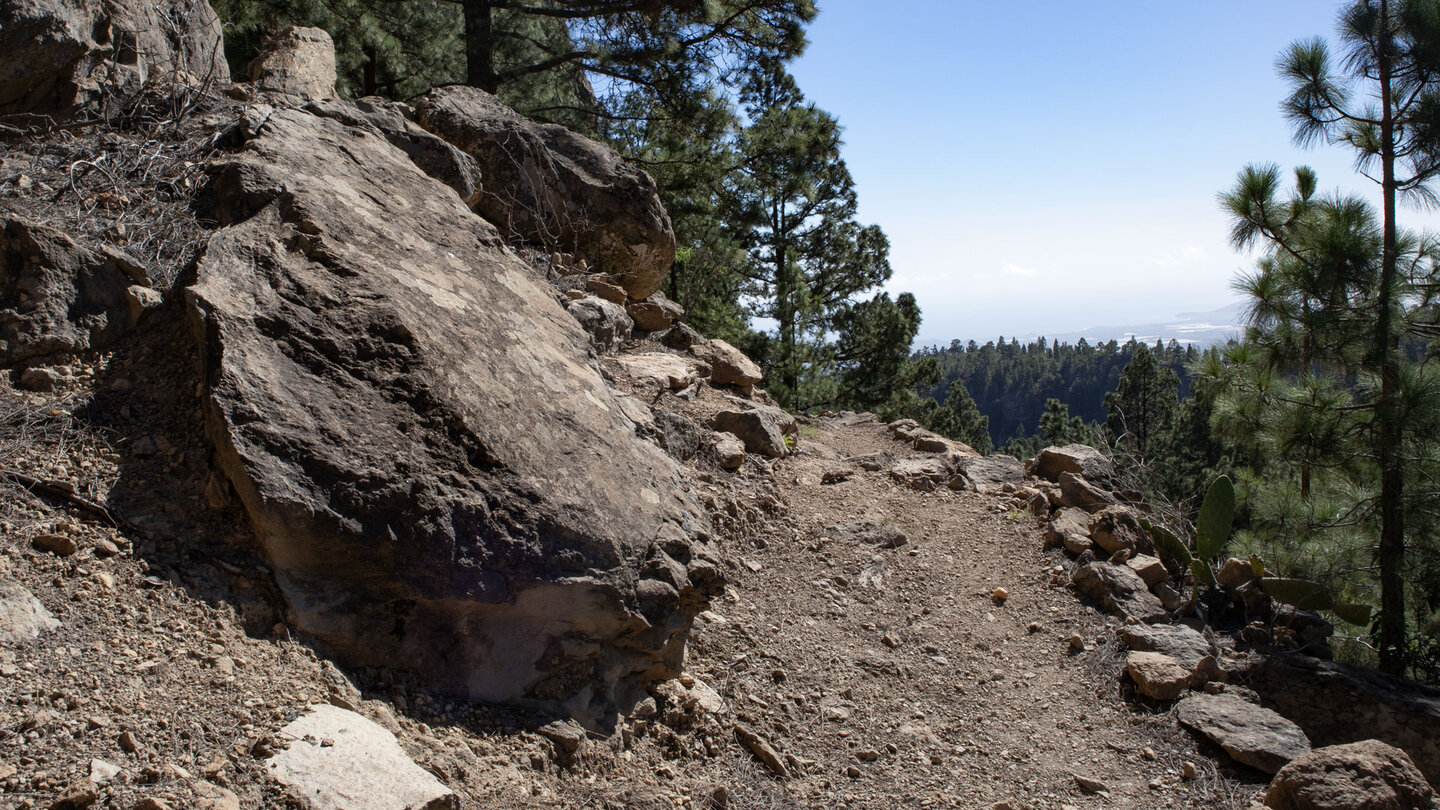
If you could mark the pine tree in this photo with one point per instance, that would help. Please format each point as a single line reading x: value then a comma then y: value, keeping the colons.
x: 808, y: 257
x: 1304, y: 394
x: 875, y: 368
x: 1384, y: 103
x: 1059, y: 427
x: 1141, y: 409
x: 959, y: 419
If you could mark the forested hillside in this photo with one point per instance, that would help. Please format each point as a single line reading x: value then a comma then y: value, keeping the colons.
x: 1011, y: 381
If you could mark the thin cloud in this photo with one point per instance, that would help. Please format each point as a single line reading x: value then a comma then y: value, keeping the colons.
x: 1017, y: 270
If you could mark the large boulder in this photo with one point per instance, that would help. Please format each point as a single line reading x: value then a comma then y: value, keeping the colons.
x: 1367, y: 775
x: 298, y: 62
x: 551, y: 187
x: 991, y: 472
x: 1252, y: 735
x: 1077, y: 492
x: 1079, y: 459
x: 60, y: 297
x: 439, y: 475
x: 728, y: 365
x: 62, y: 55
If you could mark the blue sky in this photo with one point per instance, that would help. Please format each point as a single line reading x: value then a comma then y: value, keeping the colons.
x: 1050, y: 166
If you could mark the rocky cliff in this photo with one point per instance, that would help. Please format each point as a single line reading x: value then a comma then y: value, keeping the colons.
x: 431, y: 460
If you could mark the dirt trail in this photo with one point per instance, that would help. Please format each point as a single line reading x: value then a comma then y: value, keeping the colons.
x: 880, y: 676
x: 902, y: 666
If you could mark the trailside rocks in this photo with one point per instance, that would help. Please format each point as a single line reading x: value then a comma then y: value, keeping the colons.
x: 728, y: 365
x: 1079, y: 459
x: 438, y: 474
x: 1367, y: 774
x: 338, y: 760
x: 1120, y: 591
x: 1252, y: 735
x: 61, y: 57
x: 762, y: 428
x: 59, y: 297
x: 554, y: 188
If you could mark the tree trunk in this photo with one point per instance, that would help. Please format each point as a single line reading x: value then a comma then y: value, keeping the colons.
x: 479, y: 46
x: 1387, y: 429
x: 371, y: 72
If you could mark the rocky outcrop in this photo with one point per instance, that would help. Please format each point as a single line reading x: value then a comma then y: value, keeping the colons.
x: 1367, y: 774
x: 59, y: 297
x: 1252, y: 735
x: 551, y: 187
x: 62, y: 56
x: 298, y: 62
x: 337, y: 760
x: 440, y: 478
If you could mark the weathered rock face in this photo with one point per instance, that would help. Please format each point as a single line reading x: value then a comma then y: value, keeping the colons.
x: 434, y: 156
x: 549, y: 186
x: 1359, y: 704
x: 62, y: 55
x: 439, y: 476
x: 298, y: 62
x: 1367, y: 774
x: 57, y: 297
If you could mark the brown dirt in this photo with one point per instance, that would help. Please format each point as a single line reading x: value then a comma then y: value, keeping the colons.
x: 883, y: 677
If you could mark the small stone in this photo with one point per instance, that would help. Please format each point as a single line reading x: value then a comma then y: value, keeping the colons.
x: 1190, y: 772
x: 60, y: 545
x: 761, y: 750
x: 1087, y: 785
x: 105, y: 548
x: 1148, y: 754
x: 890, y: 640
x: 852, y: 772
x: 1032, y: 627
x: 867, y: 755
x: 128, y: 743
x: 151, y: 803
x: 102, y: 772
x: 78, y: 796
x: 1000, y: 594
x: 1077, y: 642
